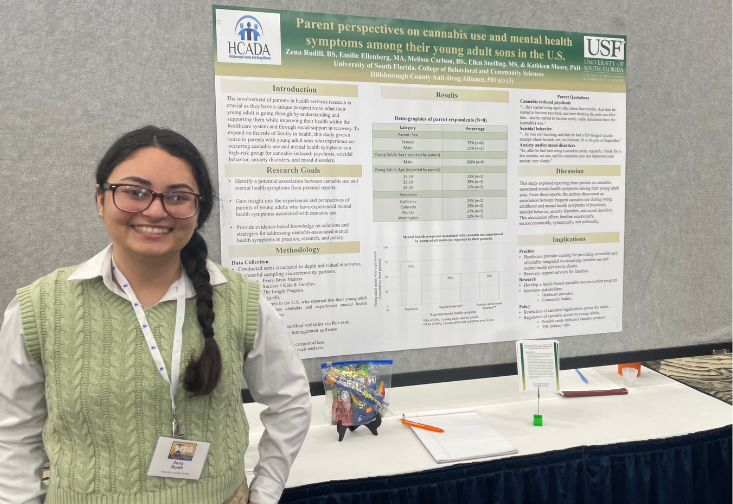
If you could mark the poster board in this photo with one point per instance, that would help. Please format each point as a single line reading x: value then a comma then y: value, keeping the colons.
x: 400, y: 184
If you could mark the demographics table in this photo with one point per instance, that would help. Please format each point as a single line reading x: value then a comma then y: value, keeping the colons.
x: 663, y: 442
x: 434, y: 172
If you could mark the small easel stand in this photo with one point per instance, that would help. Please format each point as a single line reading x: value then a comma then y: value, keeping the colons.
x: 372, y: 426
x: 538, y: 417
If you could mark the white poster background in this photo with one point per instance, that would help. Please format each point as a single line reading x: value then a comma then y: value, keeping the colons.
x: 424, y: 283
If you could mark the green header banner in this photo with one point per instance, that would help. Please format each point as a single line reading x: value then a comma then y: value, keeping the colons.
x: 312, y: 46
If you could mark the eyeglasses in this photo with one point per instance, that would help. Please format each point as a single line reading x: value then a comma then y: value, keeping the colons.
x: 135, y: 199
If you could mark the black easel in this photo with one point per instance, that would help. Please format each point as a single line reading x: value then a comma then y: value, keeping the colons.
x: 372, y: 426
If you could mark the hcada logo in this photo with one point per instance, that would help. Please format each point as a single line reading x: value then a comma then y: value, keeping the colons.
x: 251, y: 43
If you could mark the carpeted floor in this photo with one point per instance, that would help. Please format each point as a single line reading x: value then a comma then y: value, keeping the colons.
x: 711, y: 374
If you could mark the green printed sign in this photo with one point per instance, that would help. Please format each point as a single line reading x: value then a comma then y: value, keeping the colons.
x: 306, y: 45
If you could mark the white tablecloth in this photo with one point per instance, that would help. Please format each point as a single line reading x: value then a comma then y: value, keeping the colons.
x: 656, y: 407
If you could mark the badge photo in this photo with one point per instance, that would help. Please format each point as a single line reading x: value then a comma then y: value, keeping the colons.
x: 182, y: 451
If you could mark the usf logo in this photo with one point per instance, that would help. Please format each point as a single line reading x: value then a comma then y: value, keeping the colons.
x: 604, y: 48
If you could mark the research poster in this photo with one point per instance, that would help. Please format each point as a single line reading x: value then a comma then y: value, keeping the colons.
x: 398, y: 184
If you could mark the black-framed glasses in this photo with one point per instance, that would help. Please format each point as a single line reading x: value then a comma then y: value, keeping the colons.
x: 134, y: 199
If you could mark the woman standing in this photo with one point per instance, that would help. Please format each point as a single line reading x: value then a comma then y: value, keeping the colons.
x: 146, y: 344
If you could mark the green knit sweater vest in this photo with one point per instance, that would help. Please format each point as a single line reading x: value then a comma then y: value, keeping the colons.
x: 107, y: 403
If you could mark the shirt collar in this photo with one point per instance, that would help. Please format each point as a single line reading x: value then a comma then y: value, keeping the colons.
x: 101, y: 265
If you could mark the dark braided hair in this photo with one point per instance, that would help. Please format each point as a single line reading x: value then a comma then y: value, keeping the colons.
x: 203, y: 373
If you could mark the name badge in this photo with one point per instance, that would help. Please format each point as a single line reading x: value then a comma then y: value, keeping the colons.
x: 178, y: 458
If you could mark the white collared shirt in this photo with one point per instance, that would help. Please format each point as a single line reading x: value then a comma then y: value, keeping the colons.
x: 273, y: 371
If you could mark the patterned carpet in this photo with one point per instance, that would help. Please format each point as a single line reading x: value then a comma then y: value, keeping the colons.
x: 711, y: 374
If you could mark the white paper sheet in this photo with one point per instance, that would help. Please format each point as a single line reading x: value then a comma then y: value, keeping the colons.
x: 467, y: 436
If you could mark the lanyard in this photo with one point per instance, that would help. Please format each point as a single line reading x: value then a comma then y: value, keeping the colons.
x: 150, y: 339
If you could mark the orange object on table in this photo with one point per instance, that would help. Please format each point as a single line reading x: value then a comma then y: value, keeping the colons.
x: 420, y: 425
x: 635, y: 365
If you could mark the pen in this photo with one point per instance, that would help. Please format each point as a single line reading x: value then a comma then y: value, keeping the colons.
x: 585, y: 380
x: 420, y: 425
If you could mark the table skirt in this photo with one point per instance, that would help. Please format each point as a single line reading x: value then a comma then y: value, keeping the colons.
x: 691, y: 469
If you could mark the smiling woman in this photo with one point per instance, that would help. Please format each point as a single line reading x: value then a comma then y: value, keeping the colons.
x: 149, y: 244
x: 96, y: 351
x: 145, y: 231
